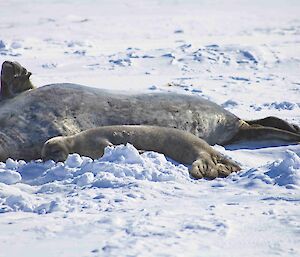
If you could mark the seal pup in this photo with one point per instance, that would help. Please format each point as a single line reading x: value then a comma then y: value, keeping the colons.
x: 29, y: 118
x: 179, y: 145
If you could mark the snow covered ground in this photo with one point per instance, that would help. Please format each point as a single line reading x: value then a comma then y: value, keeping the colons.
x: 243, y: 55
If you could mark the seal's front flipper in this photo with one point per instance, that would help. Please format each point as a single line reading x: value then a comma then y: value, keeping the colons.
x: 212, y: 167
x: 203, y: 168
x: 225, y: 166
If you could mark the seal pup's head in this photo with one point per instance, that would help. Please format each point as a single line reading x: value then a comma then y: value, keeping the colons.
x: 14, y: 79
x: 55, y: 149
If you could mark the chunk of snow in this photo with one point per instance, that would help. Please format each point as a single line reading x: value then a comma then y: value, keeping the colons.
x: 74, y: 161
x: 84, y: 179
x: 122, y: 154
x: 9, y: 177
x: 286, y: 172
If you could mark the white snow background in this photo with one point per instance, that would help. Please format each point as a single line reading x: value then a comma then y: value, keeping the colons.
x: 243, y: 55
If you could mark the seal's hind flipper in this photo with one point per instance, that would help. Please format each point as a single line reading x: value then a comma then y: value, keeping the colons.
x: 275, y: 122
x: 259, y: 133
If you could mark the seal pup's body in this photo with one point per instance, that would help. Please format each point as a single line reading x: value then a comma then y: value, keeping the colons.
x: 179, y: 145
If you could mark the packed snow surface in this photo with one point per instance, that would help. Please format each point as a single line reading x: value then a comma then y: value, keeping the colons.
x: 243, y: 55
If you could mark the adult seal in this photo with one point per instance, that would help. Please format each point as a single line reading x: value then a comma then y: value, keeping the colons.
x: 30, y: 116
x: 179, y: 145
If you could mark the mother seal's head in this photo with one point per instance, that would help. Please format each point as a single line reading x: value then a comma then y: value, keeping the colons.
x: 14, y: 79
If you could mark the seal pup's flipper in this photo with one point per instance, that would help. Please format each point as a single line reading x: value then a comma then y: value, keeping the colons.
x: 211, y: 167
x: 14, y: 79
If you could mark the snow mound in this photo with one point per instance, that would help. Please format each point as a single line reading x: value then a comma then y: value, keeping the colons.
x: 9, y: 177
x: 117, y: 163
x: 284, y: 173
x: 122, y: 154
x: 38, y: 187
x: 13, y: 199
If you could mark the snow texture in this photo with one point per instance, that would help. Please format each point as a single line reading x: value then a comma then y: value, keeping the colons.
x: 243, y: 55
